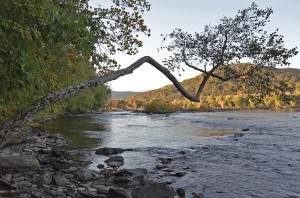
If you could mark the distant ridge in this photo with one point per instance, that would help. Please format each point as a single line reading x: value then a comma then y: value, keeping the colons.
x: 169, y: 93
x: 123, y: 94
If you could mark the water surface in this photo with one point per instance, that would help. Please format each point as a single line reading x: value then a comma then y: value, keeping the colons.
x: 228, y: 154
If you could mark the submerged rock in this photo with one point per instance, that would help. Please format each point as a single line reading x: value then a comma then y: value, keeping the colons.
x: 100, y: 166
x: 180, y: 192
x: 109, y: 151
x: 246, y: 129
x: 166, y: 160
x: 115, y: 161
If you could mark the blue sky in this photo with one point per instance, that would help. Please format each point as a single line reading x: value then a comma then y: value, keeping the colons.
x: 192, y: 16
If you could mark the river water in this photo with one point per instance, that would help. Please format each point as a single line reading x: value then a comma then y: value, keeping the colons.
x: 225, y: 154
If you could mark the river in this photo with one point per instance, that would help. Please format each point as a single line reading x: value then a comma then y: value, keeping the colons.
x: 225, y: 154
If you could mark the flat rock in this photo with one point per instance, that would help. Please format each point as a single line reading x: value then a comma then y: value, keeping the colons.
x: 60, y: 180
x: 85, y: 175
x: 18, y: 163
x: 109, y: 151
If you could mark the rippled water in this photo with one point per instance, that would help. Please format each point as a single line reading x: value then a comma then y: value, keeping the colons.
x: 131, y: 130
x: 223, y: 160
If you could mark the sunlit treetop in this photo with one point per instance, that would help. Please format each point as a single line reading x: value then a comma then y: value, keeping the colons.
x: 229, y: 42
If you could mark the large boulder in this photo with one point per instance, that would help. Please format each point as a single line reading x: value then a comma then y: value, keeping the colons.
x: 109, y: 151
x: 18, y: 163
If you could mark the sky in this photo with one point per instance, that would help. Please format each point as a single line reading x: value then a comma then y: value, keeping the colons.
x: 192, y: 15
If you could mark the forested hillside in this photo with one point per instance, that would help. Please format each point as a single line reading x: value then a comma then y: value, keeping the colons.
x: 216, y: 94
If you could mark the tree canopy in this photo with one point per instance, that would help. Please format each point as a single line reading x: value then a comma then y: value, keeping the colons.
x: 47, y: 45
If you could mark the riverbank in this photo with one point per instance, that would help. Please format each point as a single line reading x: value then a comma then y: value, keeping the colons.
x: 39, y: 166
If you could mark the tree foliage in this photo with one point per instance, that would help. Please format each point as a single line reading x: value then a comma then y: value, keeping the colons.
x: 222, y: 46
x: 47, y: 45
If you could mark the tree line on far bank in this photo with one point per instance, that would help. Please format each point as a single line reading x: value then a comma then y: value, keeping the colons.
x: 216, y: 95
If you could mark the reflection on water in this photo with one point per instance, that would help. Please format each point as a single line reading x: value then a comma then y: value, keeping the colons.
x: 134, y: 130
x: 74, y: 128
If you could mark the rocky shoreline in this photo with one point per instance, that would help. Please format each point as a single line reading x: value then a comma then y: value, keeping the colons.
x: 38, y: 166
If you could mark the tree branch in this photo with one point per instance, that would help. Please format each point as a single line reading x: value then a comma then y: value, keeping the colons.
x: 17, y: 123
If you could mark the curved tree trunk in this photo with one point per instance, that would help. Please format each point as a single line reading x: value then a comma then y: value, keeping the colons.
x: 17, y: 123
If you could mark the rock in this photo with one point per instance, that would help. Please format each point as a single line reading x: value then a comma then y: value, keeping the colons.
x: 60, y: 180
x: 109, y: 151
x: 43, y: 179
x: 246, y: 129
x: 122, y: 173
x: 71, y: 192
x: 86, y: 175
x: 117, y: 193
x: 237, y: 135
x: 102, y: 189
x: 18, y: 163
x: 115, y: 161
x: 230, y: 118
x: 100, y: 166
x: 119, y: 180
x: 89, y: 194
x: 167, y: 170
x: 161, y: 166
x: 166, y: 160
x: 58, y: 153
x: 6, y: 186
x: 181, y: 192
x: 178, y: 174
x: 36, y: 195
x: 131, y: 172
x: 24, y: 184
x: 157, y: 190
x: 138, y: 173
x: 45, y: 151
x: 61, y: 164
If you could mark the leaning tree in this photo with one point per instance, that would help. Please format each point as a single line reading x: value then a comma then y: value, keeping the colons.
x: 216, y: 49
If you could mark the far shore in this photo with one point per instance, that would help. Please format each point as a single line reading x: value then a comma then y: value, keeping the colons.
x: 287, y: 109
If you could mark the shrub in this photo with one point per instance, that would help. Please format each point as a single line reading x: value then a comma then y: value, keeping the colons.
x: 158, y: 106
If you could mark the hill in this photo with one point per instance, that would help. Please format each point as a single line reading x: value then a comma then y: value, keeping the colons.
x: 123, y: 94
x: 216, y: 93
